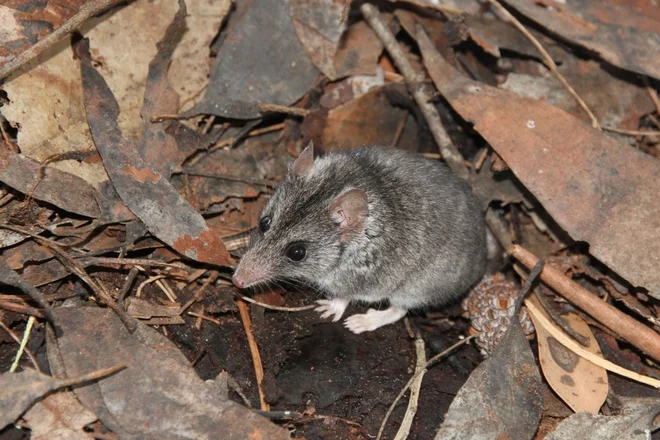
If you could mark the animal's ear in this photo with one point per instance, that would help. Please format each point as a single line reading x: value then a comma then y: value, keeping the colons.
x: 304, y: 162
x: 349, y: 212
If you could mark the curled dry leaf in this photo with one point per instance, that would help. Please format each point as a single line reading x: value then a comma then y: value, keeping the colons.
x: 167, y: 402
x: 151, y: 197
x: 581, y: 384
x: 609, y: 191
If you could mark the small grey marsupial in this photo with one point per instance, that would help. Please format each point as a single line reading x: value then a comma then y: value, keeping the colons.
x: 370, y: 224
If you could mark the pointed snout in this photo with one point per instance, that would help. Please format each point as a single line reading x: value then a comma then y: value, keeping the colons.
x: 247, y: 274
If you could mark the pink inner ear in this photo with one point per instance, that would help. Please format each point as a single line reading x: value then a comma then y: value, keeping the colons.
x: 305, y: 161
x: 349, y: 211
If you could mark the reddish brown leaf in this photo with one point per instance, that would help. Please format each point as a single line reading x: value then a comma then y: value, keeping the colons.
x: 157, y: 148
x: 151, y: 197
x: 596, y: 188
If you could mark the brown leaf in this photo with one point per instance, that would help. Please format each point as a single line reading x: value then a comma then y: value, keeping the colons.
x: 369, y: 119
x: 319, y: 26
x: 19, y: 390
x: 627, y: 34
x: 24, y: 23
x: 171, y: 397
x: 158, y: 148
x: 581, y: 384
x: 60, y: 416
x: 596, y: 188
x: 64, y: 190
x: 502, y: 399
x: 152, y: 198
x: 260, y: 61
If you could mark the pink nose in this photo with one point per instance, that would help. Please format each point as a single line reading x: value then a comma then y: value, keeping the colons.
x: 238, y: 282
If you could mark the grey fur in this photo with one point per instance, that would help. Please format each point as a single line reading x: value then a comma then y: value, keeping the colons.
x: 424, y: 242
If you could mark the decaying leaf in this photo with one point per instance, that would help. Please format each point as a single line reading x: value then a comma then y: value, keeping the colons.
x: 56, y: 187
x: 172, y: 398
x: 367, y: 120
x: 19, y: 390
x: 24, y: 23
x: 319, y: 27
x: 635, y: 422
x: 59, y: 416
x: 597, y: 189
x: 581, y: 384
x: 502, y: 398
x: 260, y: 61
x: 617, y: 29
x: 152, y: 198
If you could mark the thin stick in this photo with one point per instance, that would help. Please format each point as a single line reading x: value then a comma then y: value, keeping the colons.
x: 89, y: 9
x: 281, y: 309
x: 204, y: 317
x: 573, y: 346
x: 418, y: 88
x: 89, y: 261
x: 415, y: 386
x: 623, y: 325
x: 548, y: 61
x: 89, y: 376
x: 652, y: 93
x: 254, y: 350
x: 198, y: 295
x: 405, y: 388
x: 632, y: 132
x: 21, y: 347
x: 127, y: 286
x: 15, y: 337
x: 274, y: 108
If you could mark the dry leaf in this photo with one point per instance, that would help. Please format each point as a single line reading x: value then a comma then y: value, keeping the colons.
x: 171, y: 397
x: 581, y: 384
x: 502, y: 399
x: 597, y: 189
x: 59, y: 416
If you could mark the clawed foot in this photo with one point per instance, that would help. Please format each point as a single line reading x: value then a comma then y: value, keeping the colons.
x: 330, y: 307
x: 373, y: 319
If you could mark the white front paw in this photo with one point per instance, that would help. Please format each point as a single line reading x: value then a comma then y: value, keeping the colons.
x: 330, y: 307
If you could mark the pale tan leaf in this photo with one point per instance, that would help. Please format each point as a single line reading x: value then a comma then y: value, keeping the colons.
x: 59, y: 416
x: 581, y: 384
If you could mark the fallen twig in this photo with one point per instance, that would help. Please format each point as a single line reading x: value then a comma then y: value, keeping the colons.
x: 418, y: 88
x: 410, y: 382
x: 415, y: 386
x: 21, y: 347
x: 204, y: 317
x: 254, y: 350
x: 268, y: 306
x: 632, y: 132
x: 274, y: 108
x: 623, y: 325
x: 548, y: 61
x: 87, y: 10
x: 15, y: 337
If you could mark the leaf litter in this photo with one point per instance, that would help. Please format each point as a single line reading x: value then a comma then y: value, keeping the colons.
x: 106, y: 176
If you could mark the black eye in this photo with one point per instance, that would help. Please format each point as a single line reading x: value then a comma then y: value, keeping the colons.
x: 264, y: 224
x: 296, y: 252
